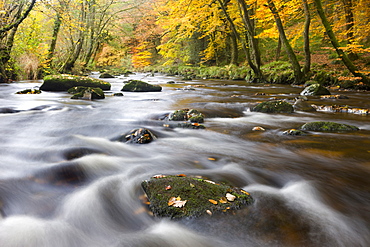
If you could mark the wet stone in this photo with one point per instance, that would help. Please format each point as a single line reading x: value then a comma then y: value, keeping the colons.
x: 180, y: 196
x: 29, y: 91
x: 137, y: 136
x: 294, y: 132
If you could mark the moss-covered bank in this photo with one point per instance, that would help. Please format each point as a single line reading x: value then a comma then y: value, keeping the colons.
x: 181, y: 196
x: 279, y: 72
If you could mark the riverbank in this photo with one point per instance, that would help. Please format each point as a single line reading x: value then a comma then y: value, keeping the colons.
x: 279, y: 72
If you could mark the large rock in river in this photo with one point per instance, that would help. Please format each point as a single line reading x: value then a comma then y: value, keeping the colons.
x: 275, y: 106
x: 328, y: 126
x: 181, y: 196
x: 65, y: 82
x: 314, y: 90
x: 140, y: 86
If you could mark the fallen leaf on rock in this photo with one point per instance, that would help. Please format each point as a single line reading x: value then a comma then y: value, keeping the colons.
x: 168, y: 187
x: 223, y: 200
x: 209, y: 212
x: 243, y: 191
x: 213, y: 201
x: 181, y: 175
x: 179, y: 204
x: 171, y: 201
x: 192, y: 185
x: 209, y: 181
x: 159, y: 176
x: 230, y: 197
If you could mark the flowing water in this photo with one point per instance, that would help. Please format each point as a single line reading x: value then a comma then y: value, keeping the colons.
x: 64, y: 182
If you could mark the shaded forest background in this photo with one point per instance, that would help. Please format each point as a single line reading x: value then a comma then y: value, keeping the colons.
x: 232, y: 39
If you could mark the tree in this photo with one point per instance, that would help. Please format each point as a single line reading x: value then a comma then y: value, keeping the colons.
x: 11, y: 16
x: 288, y: 48
x: 329, y: 31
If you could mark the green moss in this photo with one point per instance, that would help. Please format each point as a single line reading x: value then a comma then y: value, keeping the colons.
x: 65, y: 82
x: 276, y: 106
x: 328, y: 126
x: 196, y: 192
x: 280, y: 72
x: 140, y: 86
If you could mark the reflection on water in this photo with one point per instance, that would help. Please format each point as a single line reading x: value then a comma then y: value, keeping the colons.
x: 63, y: 182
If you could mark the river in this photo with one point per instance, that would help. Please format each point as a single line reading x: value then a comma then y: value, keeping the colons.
x: 65, y: 183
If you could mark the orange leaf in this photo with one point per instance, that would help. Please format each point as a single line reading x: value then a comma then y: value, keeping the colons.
x: 213, y: 201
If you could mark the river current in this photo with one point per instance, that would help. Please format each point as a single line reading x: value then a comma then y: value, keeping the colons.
x: 64, y: 182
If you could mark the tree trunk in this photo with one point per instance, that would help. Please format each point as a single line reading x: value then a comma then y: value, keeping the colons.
x: 350, y: 23
x: 306, y: 37
x: 256, y: 70
x: 56, y: 29
x: 251, y: 33
x: 329, y: 31
x: 234, y: 49
x: 288, y: 48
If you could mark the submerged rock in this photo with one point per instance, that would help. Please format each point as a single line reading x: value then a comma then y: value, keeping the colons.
x: 140, y: 86
x: 65, y: 82
x: 302, y: 105
x: 29, y: 91
x: 294, y: 132
x: 314, y: 90
x: 137, y: 136
x: 275, y: 106
x: 328, y: 126
x: 181, y: 196
x: 87, y: 93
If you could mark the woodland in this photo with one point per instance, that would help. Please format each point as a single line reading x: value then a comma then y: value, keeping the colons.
x: 228, y: 39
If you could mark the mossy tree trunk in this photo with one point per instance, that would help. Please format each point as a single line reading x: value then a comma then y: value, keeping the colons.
x: 347, y: 62
x: 298, y: 74
x: 306, y: 37
x: 54, y: 38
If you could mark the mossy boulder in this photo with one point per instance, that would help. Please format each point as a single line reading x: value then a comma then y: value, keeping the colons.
x: 191, y: 115
x: 137, y: 136
x: 29, y: 91
x: 140, y: 86
x: 314, y: 90
x: 328, y: 126
x: 87, y: 93
x: 106, y: 75
x: 65, y: 82
x: 181, y: 196
x: 275, y: 106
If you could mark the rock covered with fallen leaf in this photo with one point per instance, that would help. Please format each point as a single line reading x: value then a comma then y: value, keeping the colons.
x: 182, y: 196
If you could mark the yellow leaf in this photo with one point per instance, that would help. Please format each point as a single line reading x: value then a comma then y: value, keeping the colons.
x: 213, y: 201
x: 243, y: 191
x: 223, y: 200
